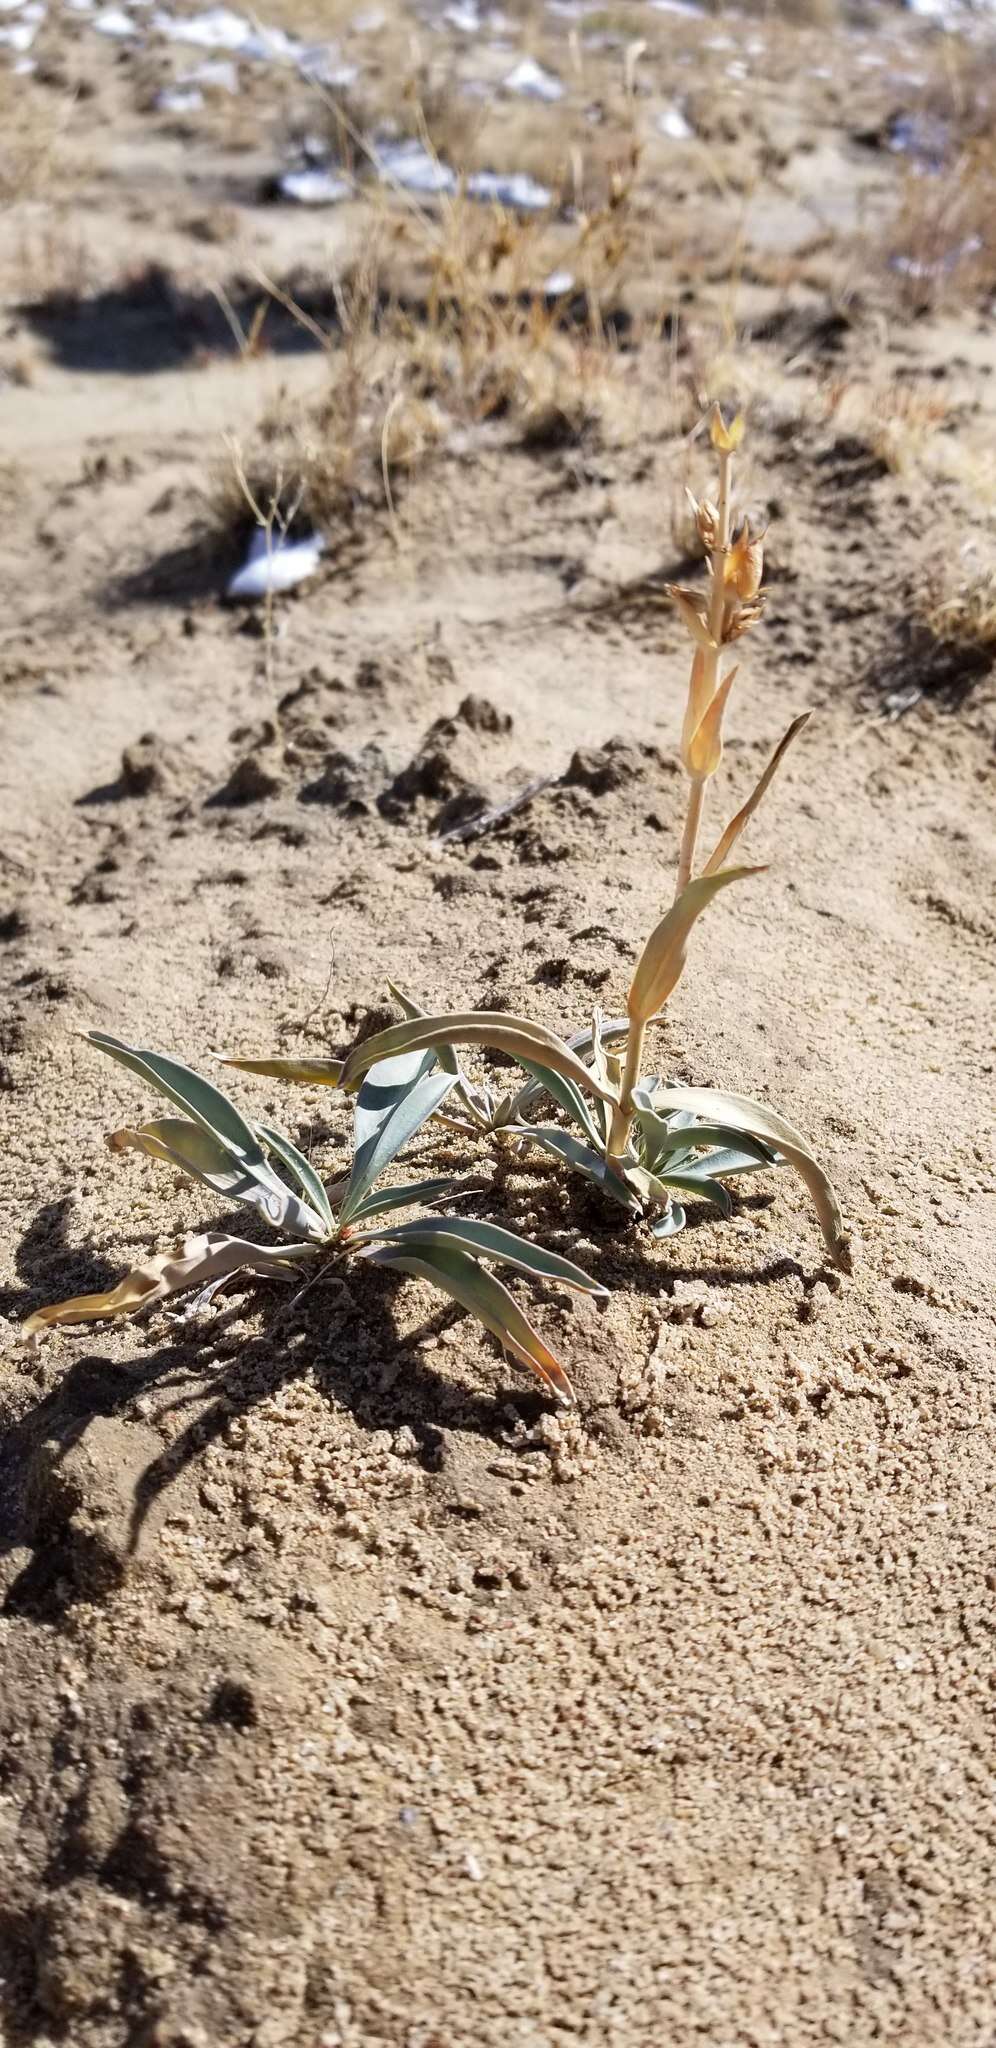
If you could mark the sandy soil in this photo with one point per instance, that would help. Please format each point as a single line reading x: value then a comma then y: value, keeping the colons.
x: 349, y: 1698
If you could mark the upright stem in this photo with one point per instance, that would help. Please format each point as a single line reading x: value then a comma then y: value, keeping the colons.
x: 622, y: 1115
x: 717, y: 601
x: 693, y: 818
x: 719, y: 552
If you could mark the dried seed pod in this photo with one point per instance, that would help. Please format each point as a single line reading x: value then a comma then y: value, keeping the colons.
x: 745, y: 563
x: 745, y: 616
x: 706, y: 519
x: 694, y: 613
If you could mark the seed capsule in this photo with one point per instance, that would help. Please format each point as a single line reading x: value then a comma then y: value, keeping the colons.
x: 742, y: 619
x: 745, y: 563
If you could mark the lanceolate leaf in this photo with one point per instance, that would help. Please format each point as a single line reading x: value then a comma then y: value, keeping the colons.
x: 408, y: 1111
x: 383, y: 1200
x: 756, y: 1120
x: 383, y: 1088
x: 318, y: 1073
x: 613, y: 1029
x: 303, y: 1171
x: 200, y: 1154
x: 446, y: 1056
x: 663, y: 957
x: 195, y: 1262
x: 487, y: 1298
x: 720, y: 1165
x: 665, y: 1141
x: 701, y: 1189
x: 567, y: 1094
x: 564, y: 1146
x: 189, y: 1091
x: 522, y: 1041
x: 489, y: 1241
x: 743, y: 817
x: 705, y: 747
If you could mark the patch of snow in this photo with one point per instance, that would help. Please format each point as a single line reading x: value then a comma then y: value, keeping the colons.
x: 20, y: 37
x: 413, y: 167
x: 274, y: 563
x: 318, y: 65
x: 218, y: 72
x: 267, y: 43
x: 514, y: 189
x: 671, y: 122
x: 686, y: 7
x: 179, y: 99
x: 314, y: 187
x: 530, y: 79
x: 217, y: 29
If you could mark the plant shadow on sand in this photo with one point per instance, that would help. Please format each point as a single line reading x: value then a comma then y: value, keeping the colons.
x: 342, y: 1332
x: 331, y: 1332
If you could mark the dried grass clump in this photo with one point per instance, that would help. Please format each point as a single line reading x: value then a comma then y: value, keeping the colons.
x: 29, y: 131
x: 960, y: 611
x: 896, y: 417
x: 446, y: 322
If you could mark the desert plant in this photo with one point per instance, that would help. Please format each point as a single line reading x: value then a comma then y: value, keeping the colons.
x: 642, y: 1141
x: 241, y: 1161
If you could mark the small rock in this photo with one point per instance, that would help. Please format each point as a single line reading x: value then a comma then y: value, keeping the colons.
x: 352, y: 782
x: 149, y: 767
x: 483, y: 716
x: 257, y: 775
x: 692, y: 1301
x: 603, y: 769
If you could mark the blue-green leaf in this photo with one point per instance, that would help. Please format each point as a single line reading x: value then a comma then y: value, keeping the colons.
x: 570, y: 1149
x: 487, y: 1298
x: 179, y: 1083
x: 444, y: 1053
x: 303, y: 1171
x: 566, y: 1094
x: 757, y: 1120
x: 383, y: 1201
x: 669, y: 1224
x: 489, y: 1241
x: 703, y: 1189
x: 197, y: 1152
x: 390, y: 1121
x: 666, y: 1141
x: 716, y: 1165
x: 383, y: 1088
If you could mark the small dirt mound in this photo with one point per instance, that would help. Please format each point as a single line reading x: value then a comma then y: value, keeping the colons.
x: 452, y: 768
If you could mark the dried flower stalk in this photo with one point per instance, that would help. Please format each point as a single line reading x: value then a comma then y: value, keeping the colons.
x: 713, y: 620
